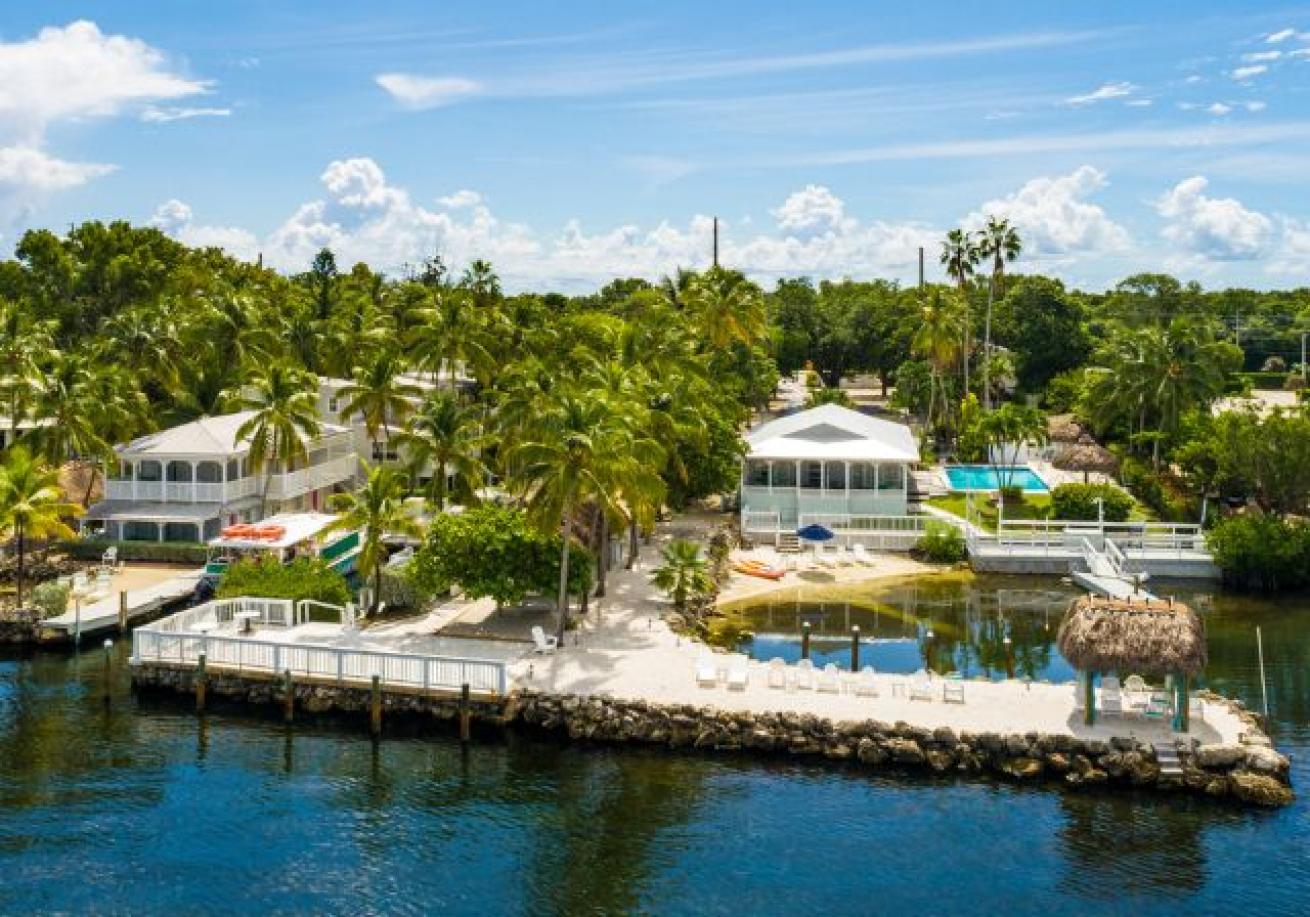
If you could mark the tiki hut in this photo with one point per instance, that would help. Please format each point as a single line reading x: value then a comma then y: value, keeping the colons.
x: 1086, y: 456
x: 1062, y: 428
x: 1156, y: 638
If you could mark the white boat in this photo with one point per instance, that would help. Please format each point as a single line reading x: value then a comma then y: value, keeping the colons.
x: 285, y: 536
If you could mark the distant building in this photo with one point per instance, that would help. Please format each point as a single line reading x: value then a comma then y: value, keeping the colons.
x: 828, y: 465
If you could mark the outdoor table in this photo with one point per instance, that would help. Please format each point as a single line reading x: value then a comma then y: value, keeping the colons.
x: 247, y: 620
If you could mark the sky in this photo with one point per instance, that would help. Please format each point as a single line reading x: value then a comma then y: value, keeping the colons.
x: 572, y: 143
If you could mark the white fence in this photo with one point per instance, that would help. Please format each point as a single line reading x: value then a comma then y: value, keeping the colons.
x: 1126, y: 540
x: 182, y: 638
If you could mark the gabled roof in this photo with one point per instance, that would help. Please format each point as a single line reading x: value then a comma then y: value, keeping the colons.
x: 208, y: 436
x: 831, y: 431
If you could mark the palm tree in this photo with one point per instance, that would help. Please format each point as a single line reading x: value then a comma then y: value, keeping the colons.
x: 451, y: 332
x: 1008, y: 428
x: 446, y: 436
x: 685, y: 573
x: 379, y: 396
x: 938, y: 340
x: 728, y: 308
x: 999, y: 241
x: 374, y: 510
x: 960, y: 255
x: 285, y: 412
x: 32, y: 505
x: 22, y: 341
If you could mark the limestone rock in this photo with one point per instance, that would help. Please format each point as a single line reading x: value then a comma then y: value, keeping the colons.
x: 1023, y: 768
x: 1219, y: 756
x: 1259, y: 789
x: 905, y: 751
x: 1265, y: 760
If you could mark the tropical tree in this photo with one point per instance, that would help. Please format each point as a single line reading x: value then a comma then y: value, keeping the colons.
x: 684, y: 573
x: 445, y: 435
x: 451, y: 332
x: 32, y: 505
x: 1005, y: 431
x: 379, y: 395
x: 23, y: 342
x: 938, y: 340
x: 1000, y: 242
x: 728, y: 308
x: 284, y: 406
x: 375, y: 510
x: 961, y: 255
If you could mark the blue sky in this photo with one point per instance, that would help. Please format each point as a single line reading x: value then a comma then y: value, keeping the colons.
x: 572, y: 142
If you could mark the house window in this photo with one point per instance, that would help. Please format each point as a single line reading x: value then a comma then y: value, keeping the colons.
x: 891, y: 477
x: 384, y: 452
x: 863, y: 476
x: 836, y: 474
x: 812, y: 475
x: 757, y: 474
x: 784, y: 474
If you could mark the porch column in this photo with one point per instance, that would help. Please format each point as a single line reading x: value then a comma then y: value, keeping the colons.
x: 194, y: 476
x: 159, y: 526
x: 133, y: 467
x: 770, y: 463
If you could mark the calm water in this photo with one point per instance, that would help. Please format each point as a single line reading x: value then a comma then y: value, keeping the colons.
x: 983, y: 477
x: 136, y: 806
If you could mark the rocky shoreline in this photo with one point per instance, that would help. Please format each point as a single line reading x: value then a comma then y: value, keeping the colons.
x: 1251, y: 773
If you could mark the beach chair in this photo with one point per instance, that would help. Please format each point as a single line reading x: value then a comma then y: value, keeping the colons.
x: 953, y: 690
x: 541, y: 643
x: 110, y: 557
x: 920, y: 686
x: 1111, y: 700
x: 777, y: 673
x: 860, y: 554
x: 707, y: 672
x: 738, y: 673
x: 830, y: 679
x: 1136, y: 692
x: 866, y: 684
x: 804, y: 675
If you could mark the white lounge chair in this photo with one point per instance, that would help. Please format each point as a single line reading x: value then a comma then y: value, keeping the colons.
x: 1111, y: 700
x: 920, y: 686
x: 866, y: 684
x: 953, y: 690
x: 707, y: 672
x: 1136, y: 692
x: 738, y: 673
x: 861, y: 555
x: 541, y: 643
x: 830, y: 679
x: 777, y: 673
x: 804, y: 675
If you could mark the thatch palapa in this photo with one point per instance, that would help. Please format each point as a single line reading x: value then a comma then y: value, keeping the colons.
x: 1062, y: 428
x: 1086, y: 457
x: 1154, y: 638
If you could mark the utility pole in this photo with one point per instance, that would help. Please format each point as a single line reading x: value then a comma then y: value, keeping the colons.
x: 716, y: 241
x: 920, y: 267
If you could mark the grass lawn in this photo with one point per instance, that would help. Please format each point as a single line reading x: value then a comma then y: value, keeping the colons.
x: 1034, y: 506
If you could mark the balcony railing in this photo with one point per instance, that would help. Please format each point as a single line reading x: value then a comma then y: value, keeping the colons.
x: 281, y: 487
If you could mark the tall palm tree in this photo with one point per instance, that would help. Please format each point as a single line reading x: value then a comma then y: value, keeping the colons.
x: 1000, y: 242
x: 728, y: 308
x: 22, y: 343
x: 938, y: 340
x: 32, y: 505
x: 378, y: 394
x: 960, y: 255
x: 376, y: 509
x: 446, y: 436
x: 451, y: 332
x: 283, y: 399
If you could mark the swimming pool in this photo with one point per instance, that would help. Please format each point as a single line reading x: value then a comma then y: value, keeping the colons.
x: 983, y: 478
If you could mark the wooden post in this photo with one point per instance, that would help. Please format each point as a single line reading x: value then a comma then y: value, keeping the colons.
x: 109, y: 670
x: 122, y: 611
x: 200, y: 684
x: 716, y: 241
x: 1182, y: 704
x: 464, y: 712
x: 288, y: 697
x: 805, y: 639
x: 1009, y: 658
x: 375, y: 708
x: 855, y: 648
x: 1089, y: 698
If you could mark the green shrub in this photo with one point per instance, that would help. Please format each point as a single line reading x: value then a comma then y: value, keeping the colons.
x: 942, y: 543
x: 267, y: 577
x: 818, y: 396
x: 401, y: 591
x: 1078, y: 501
x: 1261, y: 553
x: 167, y: 552
x: 51, y: 597
x: 1267, y: 381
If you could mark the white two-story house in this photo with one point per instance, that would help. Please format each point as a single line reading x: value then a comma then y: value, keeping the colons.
x: 828, y: 465
x: 188, y: 482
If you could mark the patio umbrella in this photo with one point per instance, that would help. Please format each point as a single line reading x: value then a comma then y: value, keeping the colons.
x: 815, y: 532
x: 1086, y: 457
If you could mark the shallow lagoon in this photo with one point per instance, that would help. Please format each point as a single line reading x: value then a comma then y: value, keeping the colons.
x: 138, y: 806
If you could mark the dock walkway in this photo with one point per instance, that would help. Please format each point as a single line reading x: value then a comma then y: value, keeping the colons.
x: 102, y: 615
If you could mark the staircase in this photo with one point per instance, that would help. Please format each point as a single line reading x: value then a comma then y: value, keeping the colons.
x: 1166, y: 755
x: 788, y: 543
x: 923, y: 485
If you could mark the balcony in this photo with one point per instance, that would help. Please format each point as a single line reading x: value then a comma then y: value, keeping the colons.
x: 295, y: 483
x: 286, y: 486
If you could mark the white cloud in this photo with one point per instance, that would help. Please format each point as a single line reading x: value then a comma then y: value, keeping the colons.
x: 1293, y: 254
x: 174, y: 218
x: 26, y: 169
x: 1139, y: 103
x: 1256, y: 57
x: 77, y: 72
x: 660, y: 170
x: 813, y: 210
x: 1194, y: 78
x: 1214, y: 229
x: 1245, y: 74
x: 1299, y: 52
x: 1106, y: 92
x: 1281, y: 35
x: 461, y: 198
x: 427, y: 91
x: 1256, y: 106
x: 1219, y: 108
x: 1054, y: 217
x: 154, y: 115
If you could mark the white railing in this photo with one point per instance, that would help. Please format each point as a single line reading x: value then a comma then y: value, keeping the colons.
x: 180, y: 491
x: 180, y: 639
x: 854, y: 523
x: 761, y: 521
x: 325, y: 474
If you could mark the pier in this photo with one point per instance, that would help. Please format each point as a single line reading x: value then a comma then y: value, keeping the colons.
x: 122, y: 607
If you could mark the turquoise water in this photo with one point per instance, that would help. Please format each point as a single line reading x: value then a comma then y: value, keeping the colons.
x: 983, y: 477
x: 137, y: 806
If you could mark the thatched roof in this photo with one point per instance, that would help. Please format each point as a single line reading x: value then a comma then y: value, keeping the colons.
x: 1154, y: 638
x: 1086, y: 457
x: 1062, y: 428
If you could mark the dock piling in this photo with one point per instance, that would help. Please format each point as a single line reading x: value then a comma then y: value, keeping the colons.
x: 464, y: 713
x: 122, y: 611
x: 805, y: 639
x: 200, y: 683
x: 375, y: 708
x: 855, y: 648
x: 288, y: 697
x: 109, y: 650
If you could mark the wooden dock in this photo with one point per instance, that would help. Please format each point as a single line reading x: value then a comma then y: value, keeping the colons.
x: 104, y: 615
